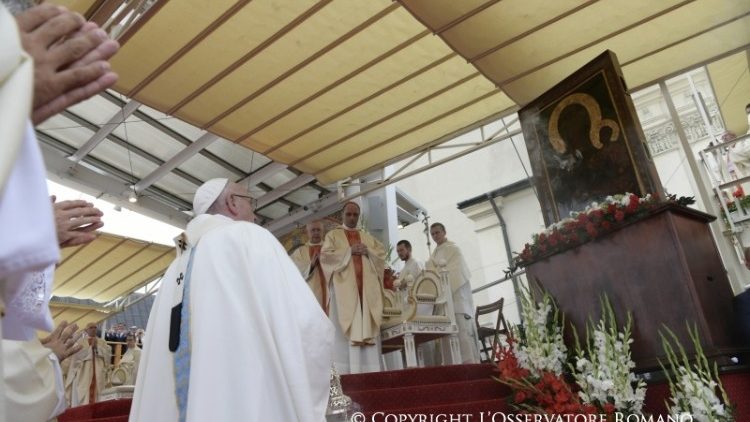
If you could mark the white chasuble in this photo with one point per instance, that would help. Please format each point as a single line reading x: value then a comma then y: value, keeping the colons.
x: 260, y: 345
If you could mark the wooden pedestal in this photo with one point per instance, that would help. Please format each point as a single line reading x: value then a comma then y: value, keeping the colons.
x: 664, y: 269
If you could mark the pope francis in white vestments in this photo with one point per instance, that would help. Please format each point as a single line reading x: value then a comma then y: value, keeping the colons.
x: 250, y: 342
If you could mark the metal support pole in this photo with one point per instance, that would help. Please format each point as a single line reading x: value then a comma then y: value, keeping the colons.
x: 724, y: 248
x: 506, y: 242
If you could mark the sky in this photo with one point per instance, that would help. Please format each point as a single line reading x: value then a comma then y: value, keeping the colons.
x: 121, y: 221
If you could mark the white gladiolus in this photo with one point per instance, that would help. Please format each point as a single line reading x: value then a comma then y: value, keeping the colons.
x: 543, y: 348
x: 696, y: 395
x: 695, y: 385
x: 604, y: 372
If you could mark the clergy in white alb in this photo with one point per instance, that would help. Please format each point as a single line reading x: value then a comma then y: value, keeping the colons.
x: 87, y: 374
x: 130, y: 360
x: 248, y: 341
x: 353, y: 261
x: 25, y: 209
x: 33, y: 382
x: 31, y: 388
x: 34, y: 246
x: 412, y: 266
x: 16, y: 92
x: 307, y: 260
x: 409, y: 274
x: 449, y: 254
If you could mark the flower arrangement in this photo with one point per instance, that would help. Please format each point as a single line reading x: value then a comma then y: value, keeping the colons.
x: 543, y: 348
x: 601, y: 379
x: 541, y: 392
x: 595, y: 220
x: 603, y: 367
x: 533, y: 367
x: 694, y: 386
x: 743, y: 199
x: 601, y: 373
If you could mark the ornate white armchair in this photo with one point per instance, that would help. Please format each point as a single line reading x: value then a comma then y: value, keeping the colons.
x: 392, y: 308
x: 118, y: 376
x: 424, y: 314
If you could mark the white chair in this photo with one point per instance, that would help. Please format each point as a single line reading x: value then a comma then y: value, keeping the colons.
x: 119, y: 376
x: 118, y: 392
x: 426, y: 315
x: 392, y: 307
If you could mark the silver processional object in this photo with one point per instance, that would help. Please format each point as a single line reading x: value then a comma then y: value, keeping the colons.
x: 339, y: 404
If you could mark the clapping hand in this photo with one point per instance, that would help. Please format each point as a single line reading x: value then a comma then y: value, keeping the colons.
x: 76, y: 222
x: 70, y: 58
x: 62, y: 341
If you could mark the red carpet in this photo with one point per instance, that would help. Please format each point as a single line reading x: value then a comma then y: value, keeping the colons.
x: 107, y: 411
x: 461, y: 389
x: 451, y: 390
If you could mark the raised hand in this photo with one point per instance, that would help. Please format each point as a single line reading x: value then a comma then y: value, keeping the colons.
x: 76, y: 222
x: 70, y: 58
x: 62, y: 341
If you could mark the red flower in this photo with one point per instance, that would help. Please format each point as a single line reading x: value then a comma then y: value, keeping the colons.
x: 545, y: 398
x: 633, y: 204
x: 520, y: 397
x: 508, y: 362
x: 591, y: 229
x: 589, y: 409
x: 739, y: 192
x: 609, y: 408
x: 583, y: 227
